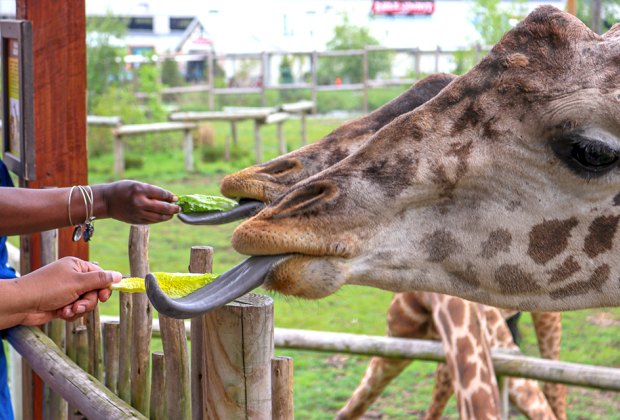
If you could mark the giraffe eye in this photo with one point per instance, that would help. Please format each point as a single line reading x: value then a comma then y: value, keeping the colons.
x: 589, y: 158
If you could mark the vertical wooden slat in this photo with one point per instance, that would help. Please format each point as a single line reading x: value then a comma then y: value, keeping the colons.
x: 93, y: 324
x: 54, y: 407
x: 178, y: 390
x: 111, y: 355
x: 188, y: 150
x: 282, y: 388
x: 281, y: 139
x: 304, y: 130
x: 158, y: 387
x: 124, y: 342
x: 258, y: 142
x: 142, y: 320
x: 238, y: 352
x: 200, y: 261
x: 119, y: 156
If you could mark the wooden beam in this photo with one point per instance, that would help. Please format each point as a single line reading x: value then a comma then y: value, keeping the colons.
x: 59, y: 60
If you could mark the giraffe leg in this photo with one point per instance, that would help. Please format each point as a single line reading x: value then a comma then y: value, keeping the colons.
x: 462, y: 328
x: 407, y: 318
x: 442, y: 391
x: 524, y: 393
x: 548, y: 326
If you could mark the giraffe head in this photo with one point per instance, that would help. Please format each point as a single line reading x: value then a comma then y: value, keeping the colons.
x: 266, y: 181
x: 504, y: 188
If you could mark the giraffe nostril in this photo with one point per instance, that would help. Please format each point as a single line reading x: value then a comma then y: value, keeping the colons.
x: 306, y: 200
x: 280, y: 167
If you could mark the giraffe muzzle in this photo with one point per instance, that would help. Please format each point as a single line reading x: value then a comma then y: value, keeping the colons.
x: 234, y: 283
x: 247, y: 208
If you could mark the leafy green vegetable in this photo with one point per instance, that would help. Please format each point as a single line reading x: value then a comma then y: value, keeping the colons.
x: 175, y: 285
x: 198, y: 203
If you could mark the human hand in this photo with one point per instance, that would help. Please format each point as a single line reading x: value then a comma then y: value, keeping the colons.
x: 67, y: 289
x: 135, y: 202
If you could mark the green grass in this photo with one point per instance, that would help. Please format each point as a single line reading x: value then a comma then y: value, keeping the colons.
x: 323, y: 382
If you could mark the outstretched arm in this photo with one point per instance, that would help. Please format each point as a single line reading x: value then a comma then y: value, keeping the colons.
x: 32, y: 210
x: 67, y: 289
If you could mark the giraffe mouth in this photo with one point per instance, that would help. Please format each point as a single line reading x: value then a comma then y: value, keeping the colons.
x: 234, y: 283
x: 247, y: 208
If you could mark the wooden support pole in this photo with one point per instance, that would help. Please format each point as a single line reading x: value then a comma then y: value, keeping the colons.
x: 233, y: 132
x: 142, y: 321
x: 124, y: 342
x: 54, y: 407
x: 110, y: 355
x: 504, y: 407
x: 158, y: 387
x: 200, y: 261
x: 238, y: 352
x: 282, y: 388
x: 281, y: 139
x: 119, y: 156
x: 93, y: 324
x: 304, y: 130
x: 188, y: 150
x: 258, y: 143
x: 178, y: 390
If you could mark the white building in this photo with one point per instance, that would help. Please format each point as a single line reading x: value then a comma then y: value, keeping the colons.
x: 241, y: 26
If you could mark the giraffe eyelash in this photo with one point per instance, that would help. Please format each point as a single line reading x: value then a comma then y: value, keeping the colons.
x: 586, y: 157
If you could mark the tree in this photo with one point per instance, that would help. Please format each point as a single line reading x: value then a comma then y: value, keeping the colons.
x: 350, y: 68
x: 104, y: 54
x: 170, y: 74
x: 610, y: 13
x: 492, y: 21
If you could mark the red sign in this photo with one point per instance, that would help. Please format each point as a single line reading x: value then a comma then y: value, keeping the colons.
x: 383, y: 7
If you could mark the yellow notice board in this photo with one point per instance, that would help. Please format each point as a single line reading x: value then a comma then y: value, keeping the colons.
x: 13, y: 81
x: 17, y: 97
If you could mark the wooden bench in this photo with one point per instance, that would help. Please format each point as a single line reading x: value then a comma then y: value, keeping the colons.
x: 260, y: 116
x: 140, y: 129
x: 302, y: 108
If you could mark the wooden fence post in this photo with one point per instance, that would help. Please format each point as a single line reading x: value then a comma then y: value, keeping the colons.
x: 111, y: 355
x: 282, y: 388
x: 238, y: 352
x: 176, y: 361
x: 188, y: 150
x: 124, y: 342
x: 54, y: 407
x: 281, y: 139
x: 200, y: 261
x: 142, y: 321
x: 158, y: 387
x: 119, y: 156
x: 258, y: 143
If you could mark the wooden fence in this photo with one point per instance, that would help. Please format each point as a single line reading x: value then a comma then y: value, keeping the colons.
x: 103, y: 368
x: 107, y: 371
x: 265, y: 69
x: 186, y: 122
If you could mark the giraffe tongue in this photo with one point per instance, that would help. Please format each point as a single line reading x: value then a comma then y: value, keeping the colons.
x: 246, y: 208
x: 236, y: 282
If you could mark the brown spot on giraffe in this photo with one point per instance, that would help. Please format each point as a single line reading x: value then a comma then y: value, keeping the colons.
x: 594, y: 283
x: 568, y: 267
x: 387, y: 173
x: 466, y: 371
x: 445, y: 322
x: 617, y: 200
x: 456, y: 308
x: 549, y: 239
x: 440, y: 244
x: 498, y: 241
x: 466, y: 279
x: 512, y: 280
x: 600, y: 237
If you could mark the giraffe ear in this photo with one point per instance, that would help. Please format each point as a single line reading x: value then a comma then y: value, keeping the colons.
x: 614, y: 32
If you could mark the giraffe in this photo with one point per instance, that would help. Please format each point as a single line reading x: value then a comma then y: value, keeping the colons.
x: 502, y: 189
x: 266, y: 181
x: 435, y: 316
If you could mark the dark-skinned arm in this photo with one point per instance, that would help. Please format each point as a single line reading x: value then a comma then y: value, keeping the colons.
x: 34, y: 210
